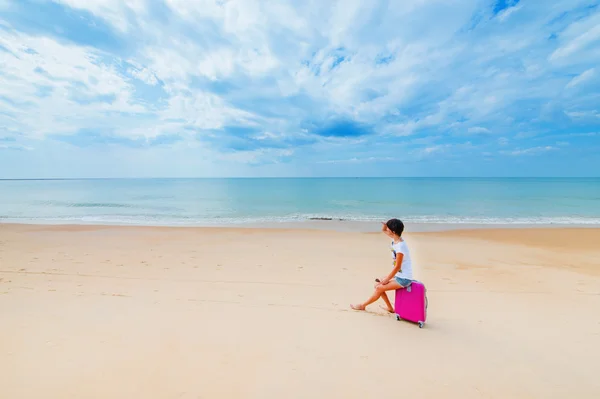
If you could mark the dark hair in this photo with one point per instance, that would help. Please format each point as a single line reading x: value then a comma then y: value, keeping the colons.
x: 396, y: 226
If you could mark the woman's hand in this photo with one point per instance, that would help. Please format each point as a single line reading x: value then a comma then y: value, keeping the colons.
x: 386, y: 230
x: 384, y: 227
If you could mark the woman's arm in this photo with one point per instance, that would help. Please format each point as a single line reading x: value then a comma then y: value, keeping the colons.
x: 385, y: 230
x: 396, y: 269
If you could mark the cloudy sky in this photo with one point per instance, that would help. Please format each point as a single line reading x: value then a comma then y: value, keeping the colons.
x: 140, y: 88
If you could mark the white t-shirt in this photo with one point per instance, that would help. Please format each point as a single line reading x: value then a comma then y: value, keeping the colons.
x: 406, y: 266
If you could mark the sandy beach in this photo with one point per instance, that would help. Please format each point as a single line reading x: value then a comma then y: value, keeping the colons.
x: 144, y: 312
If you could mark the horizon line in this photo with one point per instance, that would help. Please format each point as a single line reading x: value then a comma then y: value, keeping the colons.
x: 295, y: 177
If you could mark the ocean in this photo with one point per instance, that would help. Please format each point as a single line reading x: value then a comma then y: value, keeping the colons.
x: 210, y: 202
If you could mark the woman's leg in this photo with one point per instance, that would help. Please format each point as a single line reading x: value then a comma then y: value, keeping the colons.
x: 388, y: 304
x: 379, y: 291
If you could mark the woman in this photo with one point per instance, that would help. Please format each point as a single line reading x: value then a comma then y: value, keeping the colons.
x: 401, y: 274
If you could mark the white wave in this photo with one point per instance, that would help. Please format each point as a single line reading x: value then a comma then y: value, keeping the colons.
x: 150, y: 220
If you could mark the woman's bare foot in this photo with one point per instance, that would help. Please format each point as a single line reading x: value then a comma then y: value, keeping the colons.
x: 389, y: 310
x: 357, y: 307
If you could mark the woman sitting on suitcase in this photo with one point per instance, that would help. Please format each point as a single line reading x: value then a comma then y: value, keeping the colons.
x: 401, y: 274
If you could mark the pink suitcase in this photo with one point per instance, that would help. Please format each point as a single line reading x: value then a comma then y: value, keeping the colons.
x: 411, y: 303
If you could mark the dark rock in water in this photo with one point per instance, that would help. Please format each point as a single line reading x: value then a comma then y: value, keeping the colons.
x: 325, y: 219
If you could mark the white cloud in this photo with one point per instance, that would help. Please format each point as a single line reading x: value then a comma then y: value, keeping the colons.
x: 276, y: 40
x: 581, y: 78
x: 145, y: 75
x: 419, y: 68
x: 259, y: 156
x: 448, y: 150
x: 217, y: 64
x: 198, y: 8
x: 82, y: 86
x: 435, y: 149
x: 113, y: 11
x: 172, y: 64
x: 252, y: 28
x: 204, y: 111
x: 589, y: 134
x: 508, y: 12
x: 578, y: 37
x: 78, y: 88
x: 15, y: 147
x: 268, y: 136
x: 583, y: 114
x: 356, y: 160
x: 177, y: 60
x: 479, y: 130
x: 529, y: 151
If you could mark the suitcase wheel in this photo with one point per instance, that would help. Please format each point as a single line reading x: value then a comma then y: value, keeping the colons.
x: 421, y: 324
x: 397, y: 317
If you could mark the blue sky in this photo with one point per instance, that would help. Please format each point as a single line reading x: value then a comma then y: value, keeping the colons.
x: 195, y: 88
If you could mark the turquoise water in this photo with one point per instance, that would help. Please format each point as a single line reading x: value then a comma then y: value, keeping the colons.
x: 235, y: 201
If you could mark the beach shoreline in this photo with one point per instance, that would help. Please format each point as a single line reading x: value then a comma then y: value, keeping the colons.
x: 327, y: 225
x: 158, y: 312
